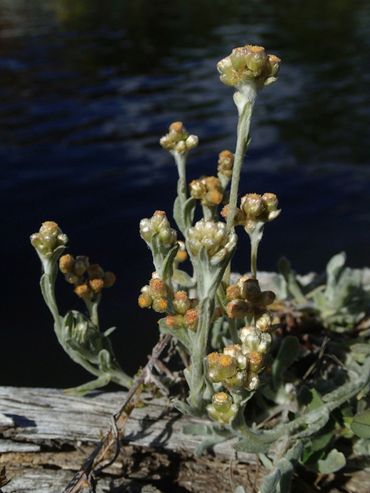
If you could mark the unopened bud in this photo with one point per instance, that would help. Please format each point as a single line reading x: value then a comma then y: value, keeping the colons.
x: 237, y: 309
x: 222, y: 401
x: 66, y: 263
x: 191, y: 142
x: 145, y: 300
x: 96, y: 285
x: 271, y: 201
x: 181, y: 302
x: 109, y: 279
x: 255, y: 360
x: 160, y: 305
x: 94, y: 271
x: 83, y: 291
x: 191, y: 318
x: 264, y: 322
x: 158, y: 288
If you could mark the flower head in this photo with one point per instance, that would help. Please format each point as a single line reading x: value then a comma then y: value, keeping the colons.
x: 48, y: 239
x: 213, y: 238
x: 158, y: 226
x: 248, y: 64
x: 208, y: 190
x: 178, y: 139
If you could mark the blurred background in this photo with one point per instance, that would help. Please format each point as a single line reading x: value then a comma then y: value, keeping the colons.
x: 87, y: 87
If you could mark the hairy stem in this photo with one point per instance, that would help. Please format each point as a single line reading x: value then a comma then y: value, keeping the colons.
x: 199, y: 351
x: 245, y: 113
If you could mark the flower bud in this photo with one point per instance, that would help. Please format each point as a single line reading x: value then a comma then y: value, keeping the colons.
x: 72, y: 278
x: 181, y: 302
x: 158, y: 288
x: 222, y: 402
x: 222, y: 408
x: 235, y: 351
x: 109, y: 279
x: 160, y: 305
x: 66, y: 263
x: 145, y: 300
x: 250, y: 339
x: 96, y: 285
x: 271, y: 202
x: 213, y: 237
x: 255, y: 360
x: 83, y: 291
x: 198, y: 189
x: 233, y: 292
x: 225, y: 163
x: 158, y: 225
x: 252, y: 382
x: 177, y: 127
x: 267, y: 298
x: 191, y: 318
x: 264, y: 322
x: 227, y: 366
x: 181, y: 254
x: 80, y: 265
x: 94, y: 271
x: 208, y: 190
x: 249, y: 288
x: 265, y: 343
x: 253, y: 206
x: 174, y: 321
x: 48, y: 239
x: 191, y: 142
x: 248, y: 65
x: 237, y: 309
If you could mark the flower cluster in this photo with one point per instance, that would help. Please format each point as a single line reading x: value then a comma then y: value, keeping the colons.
x: 208, y: 190
x: 246, y: 298
x: 89, y: 279
x: 248, y: 64
x: 238, y: 366
x: 225, y: 163
x: 254, y: 209
x: 178, y: 139
x: 155, y: 296
x: 213, y: 238
x: 158, y: 227
x: 186, y: 312
x: 48, y: 239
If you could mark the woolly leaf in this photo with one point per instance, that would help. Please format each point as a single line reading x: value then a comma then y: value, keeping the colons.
x: 334, y: 462
x: 361, y: 424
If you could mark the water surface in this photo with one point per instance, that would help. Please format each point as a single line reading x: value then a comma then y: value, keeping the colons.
x: 86, y: 90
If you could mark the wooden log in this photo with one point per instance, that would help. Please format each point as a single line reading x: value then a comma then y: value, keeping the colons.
x: 45, y: 435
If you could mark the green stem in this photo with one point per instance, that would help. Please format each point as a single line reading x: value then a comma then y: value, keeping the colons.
x: 180, y: 160
x: 255, y: 241
x: 241, y: 146
x: 92, y: 308
x: 199, y: 352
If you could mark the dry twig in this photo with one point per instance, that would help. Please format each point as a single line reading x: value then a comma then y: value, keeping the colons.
x: 85, y: 477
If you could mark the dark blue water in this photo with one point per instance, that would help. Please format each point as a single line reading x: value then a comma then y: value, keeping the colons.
x: 86, y: 90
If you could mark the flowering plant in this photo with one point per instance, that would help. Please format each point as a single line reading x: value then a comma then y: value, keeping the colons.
x: 236, y: 371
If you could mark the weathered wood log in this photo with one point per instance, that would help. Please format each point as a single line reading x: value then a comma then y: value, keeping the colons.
x: 45, y: 435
